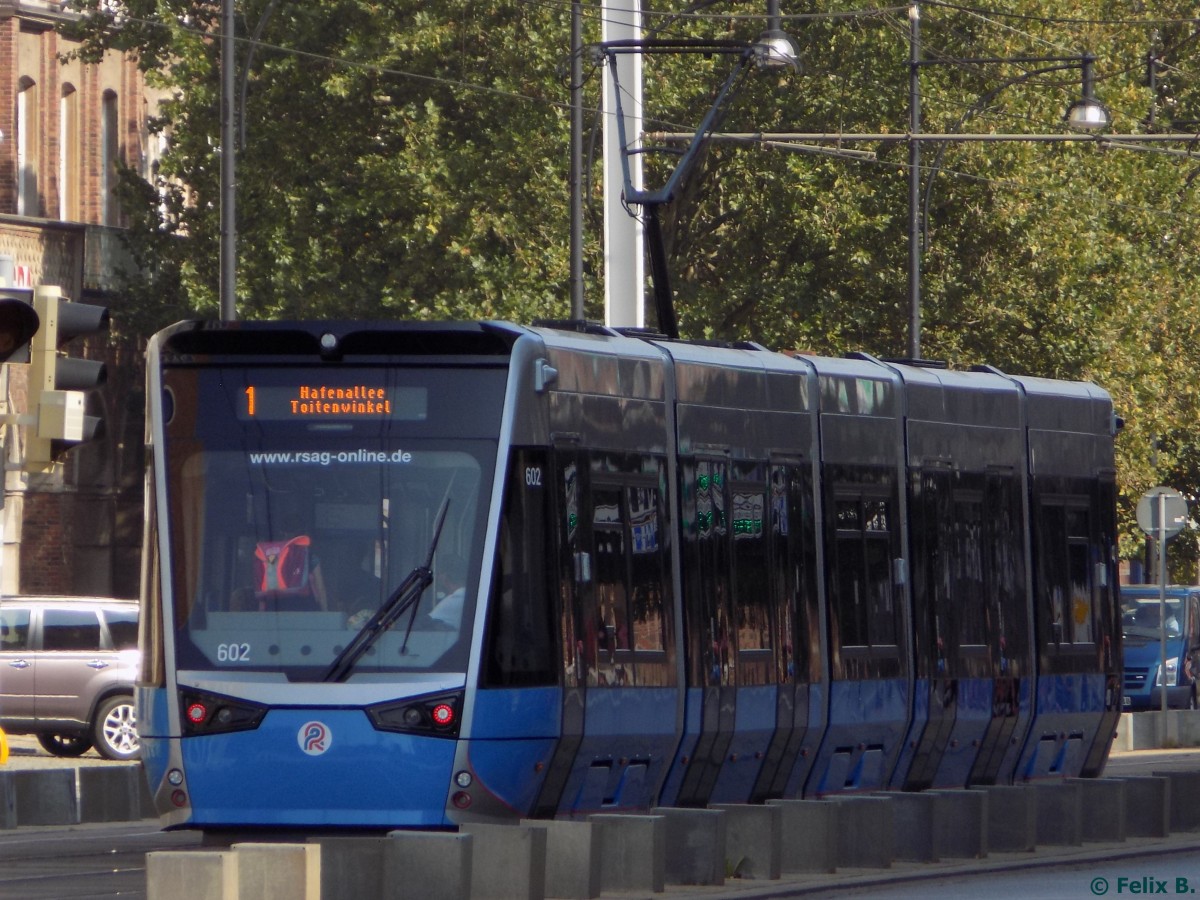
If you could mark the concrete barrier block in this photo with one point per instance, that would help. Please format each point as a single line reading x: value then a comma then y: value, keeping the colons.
x: 912, y: 827
x: 109, y: 793
x: 1059, y: 823
x: 634, y: 852
x: 279, y: 871
x: 960, y: 824
x: 1184, y: 801
x: 1123, y: 742
x: 695, y: 845
x: 865, y: 832
x: 752, y: 839
x: 46, y: 797
x: 196, y: 875
x: 1011, y: 817
x: 8, y: 800
x: 433, y: 865
x: 808, y: 835
x: 1189, y: 728
x: 1101, y: 809
x: 1147, y: 806
x: 509, y: 861
x: 351, y: 866
x: 572, y: 858
x: 1146, y: 730
x: 1151, y: 730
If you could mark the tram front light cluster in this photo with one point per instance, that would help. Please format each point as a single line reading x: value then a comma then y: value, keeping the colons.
x: 461, y: 799
x: 435, y: 716
x: 179, y: 795
x: 205, y: 713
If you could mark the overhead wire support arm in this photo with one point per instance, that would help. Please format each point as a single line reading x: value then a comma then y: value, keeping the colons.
x: 652, y: 200
x: 747, y: 53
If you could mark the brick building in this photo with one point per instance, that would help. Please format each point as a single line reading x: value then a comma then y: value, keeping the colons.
x: 64, y: 130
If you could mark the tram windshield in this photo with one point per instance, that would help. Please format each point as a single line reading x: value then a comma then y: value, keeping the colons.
x: 301, y: 500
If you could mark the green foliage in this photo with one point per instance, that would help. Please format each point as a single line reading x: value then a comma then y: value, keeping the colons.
x: 410, y: 170
x: 406, y: 159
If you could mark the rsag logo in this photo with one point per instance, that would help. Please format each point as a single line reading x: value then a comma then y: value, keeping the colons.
x: 314, y: 738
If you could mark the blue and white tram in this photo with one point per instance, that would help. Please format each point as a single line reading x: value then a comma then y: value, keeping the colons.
x: 420, y: 574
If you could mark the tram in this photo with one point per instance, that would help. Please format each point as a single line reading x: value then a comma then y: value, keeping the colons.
x: 424, y: 574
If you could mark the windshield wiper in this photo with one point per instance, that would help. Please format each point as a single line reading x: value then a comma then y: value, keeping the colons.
x: 405, y: 596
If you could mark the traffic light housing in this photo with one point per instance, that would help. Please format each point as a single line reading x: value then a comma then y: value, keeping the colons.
x: 58, y: 384
x: 18, y: 324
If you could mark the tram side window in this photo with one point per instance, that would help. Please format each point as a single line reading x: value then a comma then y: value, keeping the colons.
x: 970, y: 589
x: 1065, y: 566
x: 612, y: 601
x: 1079, y: 577
x: 519, y: 646
x: 152, y: 670
x: 648, y: 597
x: 866, y: 612
x: 752, y: 597
x: 930, y: 492
x: 572, y: 562
x: 706, y: 565
x: 793, y: 574
x: 967, y: 573
x: 865, y: 609
x: 630, y: 580
x: 1005, y: 561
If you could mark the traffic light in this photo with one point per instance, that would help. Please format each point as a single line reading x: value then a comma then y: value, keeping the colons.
x: 18, y: 324
x: 58, y: 383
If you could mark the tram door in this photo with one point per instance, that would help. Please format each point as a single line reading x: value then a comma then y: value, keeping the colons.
x: 970, y: 625
x: 619, y: 696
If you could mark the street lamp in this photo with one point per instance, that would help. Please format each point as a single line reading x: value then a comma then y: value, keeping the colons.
x: 1085, y: 114
x: 773, y: 49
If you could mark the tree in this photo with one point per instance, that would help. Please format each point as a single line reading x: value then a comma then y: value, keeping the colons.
x: 405, y: 159
x: 383, y: 172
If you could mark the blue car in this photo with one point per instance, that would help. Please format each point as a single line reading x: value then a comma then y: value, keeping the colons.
x: 1142, y: 632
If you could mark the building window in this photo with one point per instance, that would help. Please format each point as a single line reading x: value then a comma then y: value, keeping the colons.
x: 28, y: 149
x: 110, y: 154
x: 68, y: 154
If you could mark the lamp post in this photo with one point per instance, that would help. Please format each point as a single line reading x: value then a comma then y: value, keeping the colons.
x: 228, y: 253
x: 1085, y: 114
x: 773, y: 49
x: 575, y: 176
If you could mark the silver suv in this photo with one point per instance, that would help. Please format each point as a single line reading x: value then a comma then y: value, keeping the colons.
x: 67, y: 671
